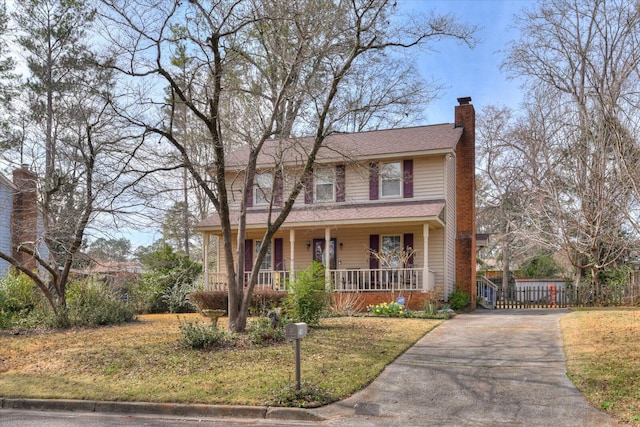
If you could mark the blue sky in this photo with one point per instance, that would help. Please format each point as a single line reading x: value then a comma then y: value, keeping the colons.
x: 471, y: 72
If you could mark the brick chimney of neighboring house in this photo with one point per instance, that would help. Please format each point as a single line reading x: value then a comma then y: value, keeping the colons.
x: 24, y: 216
x: 465, y: 116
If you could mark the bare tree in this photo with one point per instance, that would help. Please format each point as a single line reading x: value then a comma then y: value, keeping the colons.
x: 259, y: 70
x: 75, y: 142
x: 581, y: 59
x: 502, y: 184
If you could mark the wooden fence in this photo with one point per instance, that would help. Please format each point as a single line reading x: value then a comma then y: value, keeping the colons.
x: 552, y: 296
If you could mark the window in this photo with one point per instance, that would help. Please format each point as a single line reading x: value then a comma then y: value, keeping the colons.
x: 262, y: 188
x: 391, y: 248
x: 325, y: 179
x: 391, y: 179
x: 266, y: 262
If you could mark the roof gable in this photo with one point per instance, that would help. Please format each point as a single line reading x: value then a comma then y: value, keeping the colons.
x: 5, y: 182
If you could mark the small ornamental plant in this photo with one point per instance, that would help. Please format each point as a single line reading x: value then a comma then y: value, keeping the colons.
x: 388, y: 309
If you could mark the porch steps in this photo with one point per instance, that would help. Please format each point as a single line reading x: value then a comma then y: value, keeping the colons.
x: 485, y: 304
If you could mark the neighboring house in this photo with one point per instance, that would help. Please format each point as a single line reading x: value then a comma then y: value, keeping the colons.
x: 7, y: 189
x: 115, y: 274
x: 19, y: 219
x: 382, y: 191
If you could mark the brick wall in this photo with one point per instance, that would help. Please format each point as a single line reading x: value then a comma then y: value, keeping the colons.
x: 24, y: 218
x: 414, y: 300
x: 465, y: 117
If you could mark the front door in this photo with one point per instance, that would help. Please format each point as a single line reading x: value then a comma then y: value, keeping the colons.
x: 318, y: 252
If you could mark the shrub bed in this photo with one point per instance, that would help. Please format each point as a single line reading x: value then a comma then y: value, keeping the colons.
x: 261, y: 300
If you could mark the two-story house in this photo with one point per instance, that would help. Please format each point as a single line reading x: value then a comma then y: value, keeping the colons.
x: 387, y: 211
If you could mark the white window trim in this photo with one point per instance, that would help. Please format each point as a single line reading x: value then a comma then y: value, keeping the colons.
x: 332, y: 174
x: 381, y: 181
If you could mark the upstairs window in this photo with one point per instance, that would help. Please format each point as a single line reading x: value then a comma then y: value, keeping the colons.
x: 262, y: 188
x: 325, y: 188
x: 391, y: 179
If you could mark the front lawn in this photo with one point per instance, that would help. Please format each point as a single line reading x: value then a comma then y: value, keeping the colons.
x: 603, y: 359
x: 142, y: 361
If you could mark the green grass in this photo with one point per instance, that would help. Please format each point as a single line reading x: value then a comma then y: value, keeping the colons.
x: 142, y: 361
x: 603, y: 359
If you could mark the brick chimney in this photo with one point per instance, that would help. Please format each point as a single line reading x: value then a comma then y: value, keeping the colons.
x: 465, y: 117
x: 24, y: 217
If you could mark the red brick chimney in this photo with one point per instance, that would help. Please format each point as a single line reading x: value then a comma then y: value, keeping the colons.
x: 465, y: 117
x: 24, y: 217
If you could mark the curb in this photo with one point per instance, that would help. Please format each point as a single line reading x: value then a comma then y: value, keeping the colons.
x: 164, y: 409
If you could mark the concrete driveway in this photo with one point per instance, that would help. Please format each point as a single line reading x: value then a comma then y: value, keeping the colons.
x: 489, y: 368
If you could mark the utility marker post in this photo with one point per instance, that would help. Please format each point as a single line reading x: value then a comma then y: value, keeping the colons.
x: 296, y: 331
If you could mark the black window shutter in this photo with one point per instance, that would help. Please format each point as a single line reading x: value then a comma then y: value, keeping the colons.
x: 250, y: 198
x: 308, y: 194
x: 374, y: 246
x: 373, y: 181
x: 408, y: 243
x: 248, y: 254
x: 407, y: 182
x: 340, y: 183
x: 278, y: 255
x: 277, y: 188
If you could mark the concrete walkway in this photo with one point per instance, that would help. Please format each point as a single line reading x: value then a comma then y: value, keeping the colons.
x: 489, y: 368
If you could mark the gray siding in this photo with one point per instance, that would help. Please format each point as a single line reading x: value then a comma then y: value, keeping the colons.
x: 5, y: 225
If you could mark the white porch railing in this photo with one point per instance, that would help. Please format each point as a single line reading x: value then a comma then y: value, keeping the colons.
x: 267, y: 279
x: 488, y: 290
x: 400, y: 279
x: 349, y: 280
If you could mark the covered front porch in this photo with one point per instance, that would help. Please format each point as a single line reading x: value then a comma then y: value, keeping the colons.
x: 346, y: 251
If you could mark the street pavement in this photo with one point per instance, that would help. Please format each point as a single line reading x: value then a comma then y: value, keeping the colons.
x: 487, y: 368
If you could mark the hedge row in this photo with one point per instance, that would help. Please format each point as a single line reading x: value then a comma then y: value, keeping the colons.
x: 219, y: 300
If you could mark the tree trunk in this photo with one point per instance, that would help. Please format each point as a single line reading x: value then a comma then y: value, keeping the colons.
x: 505, y: 266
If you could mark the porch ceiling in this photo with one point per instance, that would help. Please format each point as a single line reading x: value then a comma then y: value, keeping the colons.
x: 404, y: 211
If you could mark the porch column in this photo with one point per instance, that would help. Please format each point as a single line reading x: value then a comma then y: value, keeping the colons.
x: 327, y: 258
x: 292, y: 252
x: 205, y: 259
x: 425, y: 257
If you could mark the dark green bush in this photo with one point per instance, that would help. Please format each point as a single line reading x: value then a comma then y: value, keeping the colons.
x: 459, y: 299
x: 308, y: 298
x: 264, y: 331
x: 199, y: 336
x: 541, y: 266
x: 170, y: 278
x: 91, y: 304
x: 146, y: 294
x: 18, y: 297
x: 264, y: 300
x: 261, y: 301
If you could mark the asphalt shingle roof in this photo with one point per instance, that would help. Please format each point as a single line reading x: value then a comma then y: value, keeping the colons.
x: 360, y: 145
x: 340, y: 214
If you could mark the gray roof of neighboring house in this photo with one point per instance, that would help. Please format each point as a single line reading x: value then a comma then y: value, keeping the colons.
x: 355, y: 146
x: 340, y: 214
x: 6, y: 182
